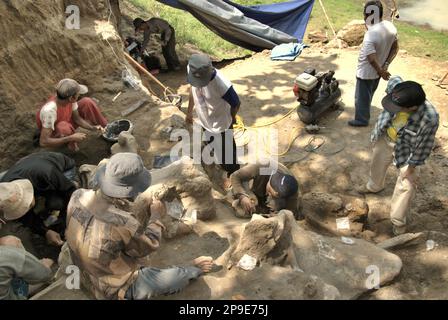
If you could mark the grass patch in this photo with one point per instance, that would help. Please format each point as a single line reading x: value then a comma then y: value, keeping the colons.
x: 417, y: 40
x: 190, y: 30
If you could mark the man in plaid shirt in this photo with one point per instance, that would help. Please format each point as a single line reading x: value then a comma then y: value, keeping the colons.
x: 108, y: 240
x: 404, y: 133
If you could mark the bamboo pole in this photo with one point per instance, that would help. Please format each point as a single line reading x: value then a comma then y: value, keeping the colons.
x: 146, y: 72
x: 328, y: 19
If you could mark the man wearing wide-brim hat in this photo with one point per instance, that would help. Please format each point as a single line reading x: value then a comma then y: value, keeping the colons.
x: 16, y: 199
x: 405, y: 134
x: 53, y: 176
x: 106, y: 240
x: 62, y: 114
x: 18, y: 268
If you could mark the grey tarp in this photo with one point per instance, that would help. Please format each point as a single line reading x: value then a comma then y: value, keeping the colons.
x: 231, y: 24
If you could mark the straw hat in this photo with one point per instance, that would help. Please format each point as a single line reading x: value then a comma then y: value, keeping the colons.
x: 15, y: 199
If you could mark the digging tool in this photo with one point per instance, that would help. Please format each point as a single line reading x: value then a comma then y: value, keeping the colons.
x: 169, y: 95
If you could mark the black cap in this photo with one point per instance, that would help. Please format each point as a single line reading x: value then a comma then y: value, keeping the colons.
x: 404, y: 95
x: 284, y: 184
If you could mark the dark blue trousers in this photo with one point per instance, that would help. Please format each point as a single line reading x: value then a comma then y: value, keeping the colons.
x: 365, y: 89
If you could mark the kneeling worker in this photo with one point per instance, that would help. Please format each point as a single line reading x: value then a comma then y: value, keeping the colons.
x: 52, y: 176
x: 18, y: 268
x: 168, y: 38
x: 269, y: 193
x: 106, y: 240
x: 59, y: 118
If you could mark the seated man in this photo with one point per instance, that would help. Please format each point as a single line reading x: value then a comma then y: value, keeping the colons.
x: 106, y: 240
x: 59, y: 118
x: 51, y: 175
x: 18, y: 268
x: 269, y: 193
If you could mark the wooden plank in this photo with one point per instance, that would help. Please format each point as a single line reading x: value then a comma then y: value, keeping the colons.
x: 399, y: 240
x: 133, y: 108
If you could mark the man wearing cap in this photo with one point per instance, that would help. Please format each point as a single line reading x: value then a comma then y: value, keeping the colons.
x: 18, y: 268
x: 216, y: 104
x: 269, y: 193
x: 52, y: 175
x: 59, y: 118
x: 379, y: 48
x: 106, y: 240
x: 168, y: 38
x: 405, y: 134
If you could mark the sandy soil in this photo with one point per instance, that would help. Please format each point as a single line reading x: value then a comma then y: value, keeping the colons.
x: 265, y: 88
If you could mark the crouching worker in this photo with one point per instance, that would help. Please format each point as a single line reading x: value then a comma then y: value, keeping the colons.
x: 52, y: 176
x: 106, y: 240
x: 268, y: 194
x: 18, y: 268
x: 59, y: 118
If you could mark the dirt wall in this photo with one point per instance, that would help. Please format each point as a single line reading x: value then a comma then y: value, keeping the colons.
x: 37, y: 50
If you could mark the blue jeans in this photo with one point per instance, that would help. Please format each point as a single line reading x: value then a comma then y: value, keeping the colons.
x: 20, y: 288
x: 365, y: 89
x: 155, y: 282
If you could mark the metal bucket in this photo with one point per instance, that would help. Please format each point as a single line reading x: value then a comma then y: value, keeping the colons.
x: 116, y: 127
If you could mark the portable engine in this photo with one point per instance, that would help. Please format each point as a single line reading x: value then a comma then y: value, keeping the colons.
x: 316, y: 94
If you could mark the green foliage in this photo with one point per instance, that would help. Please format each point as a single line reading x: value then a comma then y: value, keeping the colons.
x: 417, y: 40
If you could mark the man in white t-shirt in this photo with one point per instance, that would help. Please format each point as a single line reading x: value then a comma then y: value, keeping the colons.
x: 378, y: 50
x: 59, y: 118
x: 216, y: 104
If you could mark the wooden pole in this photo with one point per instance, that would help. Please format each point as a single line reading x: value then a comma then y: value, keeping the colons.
x: 328, y: 19
x: 443, y: 79
x: 146, y: 72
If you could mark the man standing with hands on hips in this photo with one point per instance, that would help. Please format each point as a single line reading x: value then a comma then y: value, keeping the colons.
x: 379, y: 48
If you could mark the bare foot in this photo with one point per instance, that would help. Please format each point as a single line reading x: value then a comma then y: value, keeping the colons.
x: 204, y: 263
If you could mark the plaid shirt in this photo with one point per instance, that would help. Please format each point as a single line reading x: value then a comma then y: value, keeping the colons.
x: 416, y: 138
x: 106, y: 243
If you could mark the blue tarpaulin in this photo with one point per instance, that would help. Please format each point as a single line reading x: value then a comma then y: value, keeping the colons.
x: 287, y: 51
x: 253, y: 27
x: 290, y: 17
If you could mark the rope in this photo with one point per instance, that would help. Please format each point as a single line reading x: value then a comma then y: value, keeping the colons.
x: 146, y: 72
x: 135, y: 63
x: 292, y: 137
x: 328, y: 19
x: 240, y: 123
x: 239, y: 127
x: 242, y: 128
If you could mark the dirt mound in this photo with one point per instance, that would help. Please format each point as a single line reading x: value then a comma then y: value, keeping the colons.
x: 40, y: 52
